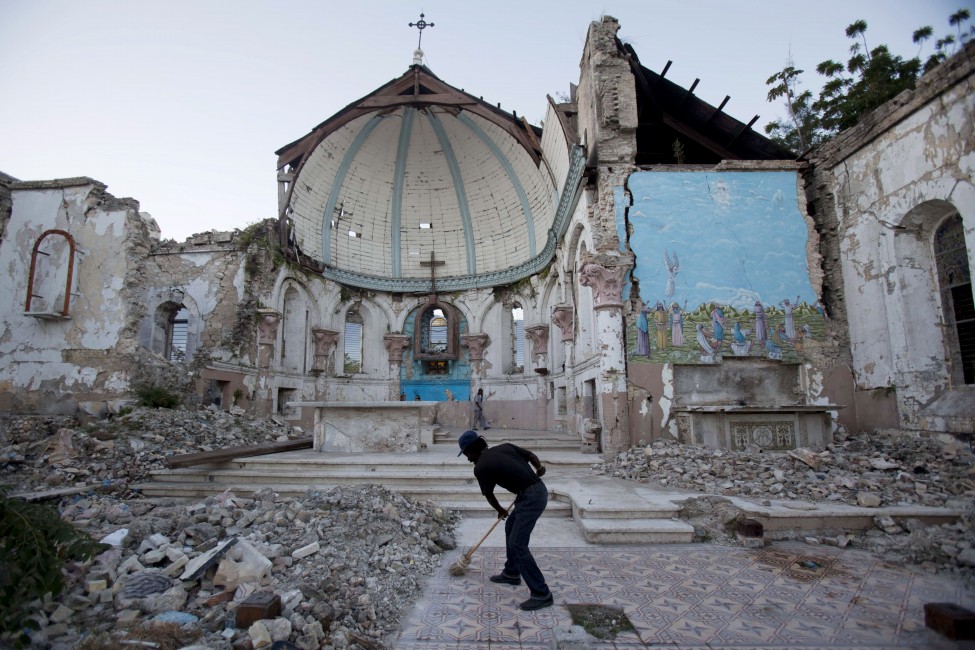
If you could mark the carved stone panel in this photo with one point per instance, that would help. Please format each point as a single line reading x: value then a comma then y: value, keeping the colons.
x: 770, y: 434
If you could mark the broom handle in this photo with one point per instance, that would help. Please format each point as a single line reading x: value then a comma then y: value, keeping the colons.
x: 470, y: 553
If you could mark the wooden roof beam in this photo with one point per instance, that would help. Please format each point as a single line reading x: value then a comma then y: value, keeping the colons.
x: 719, y: 108
x: 689, y: 91
x: 744, y: 128
x: 701, y: 139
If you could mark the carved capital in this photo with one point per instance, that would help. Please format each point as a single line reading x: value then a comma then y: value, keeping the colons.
x: 267, y: 326
x: 325, y: 342
x: 564, y: 318
x: 606, y: 284
x: 538, y: 335
x: 396, y: 344
x: 476, y: 345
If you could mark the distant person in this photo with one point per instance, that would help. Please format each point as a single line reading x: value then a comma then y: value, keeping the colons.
x: 479, y: 419
x: 510, y: 467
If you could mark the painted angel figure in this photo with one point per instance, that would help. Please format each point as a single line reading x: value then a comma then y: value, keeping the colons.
x: 673, y: 266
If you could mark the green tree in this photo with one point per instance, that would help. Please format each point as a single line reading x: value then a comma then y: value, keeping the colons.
x: 35, y: 544
x: 868, y: 79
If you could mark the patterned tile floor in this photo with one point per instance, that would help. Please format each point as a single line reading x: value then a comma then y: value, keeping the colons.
x: 692, y: 596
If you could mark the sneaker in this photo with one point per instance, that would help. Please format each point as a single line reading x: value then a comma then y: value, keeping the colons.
x: 486, y: 428
x: 534, y: 603
x: 501, y: 578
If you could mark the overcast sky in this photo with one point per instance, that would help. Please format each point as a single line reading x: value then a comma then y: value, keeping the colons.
x: 181, y: 104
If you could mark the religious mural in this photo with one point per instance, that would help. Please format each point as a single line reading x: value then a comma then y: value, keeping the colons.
x: 721, y: 268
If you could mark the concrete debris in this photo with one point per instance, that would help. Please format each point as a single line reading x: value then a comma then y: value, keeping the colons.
x: 884, y: 468
x: 39, y: 453
x: 346, y: 568
x: 369, y: 571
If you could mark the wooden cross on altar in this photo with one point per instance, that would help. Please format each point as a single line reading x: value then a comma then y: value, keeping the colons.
x: 433, y: 264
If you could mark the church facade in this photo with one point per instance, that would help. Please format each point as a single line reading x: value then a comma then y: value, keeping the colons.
x: 641, y: 266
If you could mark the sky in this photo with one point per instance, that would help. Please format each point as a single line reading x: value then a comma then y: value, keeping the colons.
x: 181, y: 104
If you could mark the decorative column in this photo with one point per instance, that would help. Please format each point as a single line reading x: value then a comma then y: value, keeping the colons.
x: 605, y: 280
x: 538, y: 335
x: 325, y: 342
x: 476, y: 345
x: 563, y: 316
x: 396, y: 345
x: 267, y: 337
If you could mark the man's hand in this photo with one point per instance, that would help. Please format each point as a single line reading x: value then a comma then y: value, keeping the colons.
x: 540, y: 470
x: 502, y: 514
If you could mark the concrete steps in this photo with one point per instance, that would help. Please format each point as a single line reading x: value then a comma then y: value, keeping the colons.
x: 436, y: 474
x: 537, y: 441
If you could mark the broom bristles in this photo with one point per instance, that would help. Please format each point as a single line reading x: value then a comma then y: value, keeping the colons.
x: 459, y: 567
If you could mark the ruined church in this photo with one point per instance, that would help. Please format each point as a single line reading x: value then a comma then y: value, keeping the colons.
x: 639, y: 266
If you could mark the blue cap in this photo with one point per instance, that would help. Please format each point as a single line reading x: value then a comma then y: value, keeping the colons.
x: 466, y: 439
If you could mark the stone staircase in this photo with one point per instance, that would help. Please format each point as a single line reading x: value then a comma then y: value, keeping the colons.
x: 604, y: 513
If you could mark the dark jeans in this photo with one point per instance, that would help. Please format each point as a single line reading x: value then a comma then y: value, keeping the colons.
x: 529, y: 506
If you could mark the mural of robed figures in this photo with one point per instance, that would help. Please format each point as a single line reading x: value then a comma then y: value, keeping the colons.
x: 723, y: 254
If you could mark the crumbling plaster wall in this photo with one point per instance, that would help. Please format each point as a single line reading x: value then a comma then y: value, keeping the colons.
x: 875, y: 188
x: 607, y: 119
x: 56, y: 365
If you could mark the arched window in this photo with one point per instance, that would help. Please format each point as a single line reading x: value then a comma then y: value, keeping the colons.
x: 352, y: 356
x: 955, y: 286
x: 52, y: 275
x: 436, y: 333
x: 170, y: 332
x: 294, y: 339
x: 518, y: 337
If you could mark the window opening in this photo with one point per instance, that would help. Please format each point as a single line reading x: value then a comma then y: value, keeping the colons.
x: 46, y: 267
x: 353, y: 343
x: 178, y: 333
x: 518, y: 332
x: 955, y: 284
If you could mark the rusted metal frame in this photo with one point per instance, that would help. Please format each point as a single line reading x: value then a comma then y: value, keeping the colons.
x: 33, y: 263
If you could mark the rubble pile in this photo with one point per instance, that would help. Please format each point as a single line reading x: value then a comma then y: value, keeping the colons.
x: 884, y: 468
x: 42, y: 453
x: 344, y: 565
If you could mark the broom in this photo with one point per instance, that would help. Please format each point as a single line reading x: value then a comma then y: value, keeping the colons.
x: 459, y: 567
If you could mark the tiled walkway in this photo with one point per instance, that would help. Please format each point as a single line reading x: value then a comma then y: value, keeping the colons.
x: 691, y: 596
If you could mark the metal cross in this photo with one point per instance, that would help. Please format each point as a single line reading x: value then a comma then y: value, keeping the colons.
x: 420, y: 25
x: 433, y: 264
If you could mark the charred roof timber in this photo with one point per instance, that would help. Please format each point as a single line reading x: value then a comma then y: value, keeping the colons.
x: 670, y: 115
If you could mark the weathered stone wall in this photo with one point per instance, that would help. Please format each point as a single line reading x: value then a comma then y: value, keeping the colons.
x: 877, y: 193
x: 52, y: 363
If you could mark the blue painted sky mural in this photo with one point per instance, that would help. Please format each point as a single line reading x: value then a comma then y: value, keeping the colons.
x: 709, y: 246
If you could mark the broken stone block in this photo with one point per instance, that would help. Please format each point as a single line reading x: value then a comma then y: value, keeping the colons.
x: 305, y: 551
x: 143, y: 584
x: 176, y: 568
x: 868, y: 500
x: 94, y: 586
x: 200, y: 564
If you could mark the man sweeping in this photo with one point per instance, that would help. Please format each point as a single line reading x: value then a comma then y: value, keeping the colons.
x: 510, y: 466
